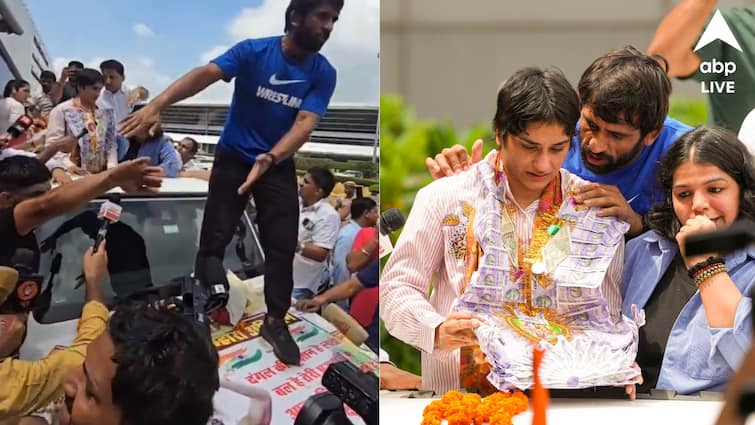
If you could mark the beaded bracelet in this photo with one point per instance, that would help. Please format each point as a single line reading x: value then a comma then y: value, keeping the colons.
x: 703, y: 264
x: 705, y: 274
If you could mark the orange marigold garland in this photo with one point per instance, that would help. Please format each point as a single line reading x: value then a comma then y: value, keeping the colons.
x: 470, y: 409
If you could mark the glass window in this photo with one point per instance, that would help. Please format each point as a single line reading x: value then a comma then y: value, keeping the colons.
x: 153, y: 244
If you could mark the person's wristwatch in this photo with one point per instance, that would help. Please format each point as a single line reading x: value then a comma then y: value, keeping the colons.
x: 273, y: 158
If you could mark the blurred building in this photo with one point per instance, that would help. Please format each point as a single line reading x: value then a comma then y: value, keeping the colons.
x: 22, y: 52
x: 448, y: 57
x: 347, y: 131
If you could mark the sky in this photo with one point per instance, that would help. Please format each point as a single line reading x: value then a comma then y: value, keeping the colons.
x: 160, y: 40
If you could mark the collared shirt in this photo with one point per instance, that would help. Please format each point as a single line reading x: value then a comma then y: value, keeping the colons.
x: 28, y: 386
x: 160, y: 152
x: 318, y: 225
x: 43, y: 102
x: 117, y: 101
x: 429, y: 251
x: 10, y: 110
x: 191, y: 165
x: 697, y: 357
x: 341, y: 249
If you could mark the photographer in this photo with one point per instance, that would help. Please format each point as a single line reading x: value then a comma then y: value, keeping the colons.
x: 28, y: 386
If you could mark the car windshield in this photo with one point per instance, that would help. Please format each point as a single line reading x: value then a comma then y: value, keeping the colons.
x: 154, y: 243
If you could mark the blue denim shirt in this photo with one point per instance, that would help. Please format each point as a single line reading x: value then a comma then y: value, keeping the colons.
x: 697, y: 357
x: 160, y: 151
x: 341, y: 249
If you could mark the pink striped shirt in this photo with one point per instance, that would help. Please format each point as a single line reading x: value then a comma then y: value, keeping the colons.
x: 428, y: 253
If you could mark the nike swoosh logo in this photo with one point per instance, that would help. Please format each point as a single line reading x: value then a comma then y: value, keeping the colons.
x: 276, y: 82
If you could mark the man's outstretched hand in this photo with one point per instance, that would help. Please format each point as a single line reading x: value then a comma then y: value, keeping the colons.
x: 136, y: 176
x: 453, y: 160
x: 260, y: 167
x: 146, y: 118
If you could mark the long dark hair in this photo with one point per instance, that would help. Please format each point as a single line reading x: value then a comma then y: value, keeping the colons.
x: 704, y: 145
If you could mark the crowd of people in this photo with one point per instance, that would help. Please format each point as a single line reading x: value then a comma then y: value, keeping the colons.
x: 607, y: 151
x: 90, y: 134
x: 77, y: 117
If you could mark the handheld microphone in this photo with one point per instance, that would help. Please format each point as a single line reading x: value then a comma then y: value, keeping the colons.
x: 737, y: 236
x: 20, y: 126
x: 17, y: 130
x: 390, y: 221
x: 110, y: 212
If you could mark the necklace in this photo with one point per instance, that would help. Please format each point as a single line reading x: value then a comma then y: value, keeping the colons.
x: 528, y: 265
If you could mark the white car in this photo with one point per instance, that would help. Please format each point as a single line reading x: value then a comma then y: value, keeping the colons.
x: 150, y: 249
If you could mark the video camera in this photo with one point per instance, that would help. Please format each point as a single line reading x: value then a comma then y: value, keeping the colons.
x: 347, y: 384
x: 20, y: 285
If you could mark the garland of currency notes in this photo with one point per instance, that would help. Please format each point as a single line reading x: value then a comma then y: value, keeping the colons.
x: 550, y: 294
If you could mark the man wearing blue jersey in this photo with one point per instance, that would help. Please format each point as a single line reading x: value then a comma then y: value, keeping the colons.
x: 282, y: 88
x: 623, y: 132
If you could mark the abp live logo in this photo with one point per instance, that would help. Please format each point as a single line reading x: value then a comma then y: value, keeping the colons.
x: 717, y: 29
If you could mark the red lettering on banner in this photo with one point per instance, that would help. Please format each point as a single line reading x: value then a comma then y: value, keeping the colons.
x: 308, y: 354
x: 284, y: 389
x: 294, y: 410
x: 310, y: 375
x: 260, y: 376
x: 279, y: 366
x: 330, y: 343
x: 251, y: 379
x: 298, y: 381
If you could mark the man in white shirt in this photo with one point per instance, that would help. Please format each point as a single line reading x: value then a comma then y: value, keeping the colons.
x: 187, y: 148
x: 318, y: 228
x: 114, y: 94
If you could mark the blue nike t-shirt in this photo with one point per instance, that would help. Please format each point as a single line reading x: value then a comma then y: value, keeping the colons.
x: 270, y: 89
x: 639, y: 181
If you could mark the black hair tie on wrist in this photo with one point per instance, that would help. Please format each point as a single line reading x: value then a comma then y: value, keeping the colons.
x: 703, y: 264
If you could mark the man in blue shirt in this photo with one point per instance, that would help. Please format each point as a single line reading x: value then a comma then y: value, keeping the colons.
x: 157, y: 147
x: 622, y: 133
x: 282, y: 88
x: 364, y: 213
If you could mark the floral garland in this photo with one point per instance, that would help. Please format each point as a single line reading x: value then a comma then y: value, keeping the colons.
x: 470, y: 409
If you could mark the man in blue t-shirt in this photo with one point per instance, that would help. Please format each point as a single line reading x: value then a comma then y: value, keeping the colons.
x: 282, y: 88
x: 622, y: 133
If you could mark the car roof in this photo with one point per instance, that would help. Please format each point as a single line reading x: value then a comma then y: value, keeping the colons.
x: 178, y: 186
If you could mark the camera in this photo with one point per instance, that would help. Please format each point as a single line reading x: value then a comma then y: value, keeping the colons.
x: 21, y: 294
x: 347, y: 384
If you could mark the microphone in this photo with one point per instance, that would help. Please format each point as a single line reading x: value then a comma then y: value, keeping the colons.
x: 739, y: 235
x: 20, y: 126
x: 110, y: 212
x: 390, y: 221
x: 17, y: 130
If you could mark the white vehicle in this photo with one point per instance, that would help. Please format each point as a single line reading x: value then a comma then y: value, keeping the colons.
x: 154, y: 244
